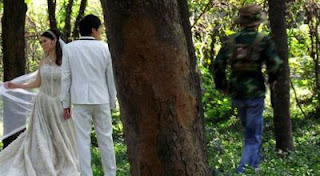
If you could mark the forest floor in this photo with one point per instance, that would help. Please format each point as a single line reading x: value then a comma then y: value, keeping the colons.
x: 225, y: 145
x: 225, y: 149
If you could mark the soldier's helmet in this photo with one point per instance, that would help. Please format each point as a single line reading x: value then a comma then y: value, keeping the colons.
x: 250, y: 15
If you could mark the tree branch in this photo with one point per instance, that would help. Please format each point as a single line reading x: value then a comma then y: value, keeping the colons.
x: 203, y: 12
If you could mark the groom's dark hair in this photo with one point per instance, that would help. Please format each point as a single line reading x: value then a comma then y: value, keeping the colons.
x: 87, y: 23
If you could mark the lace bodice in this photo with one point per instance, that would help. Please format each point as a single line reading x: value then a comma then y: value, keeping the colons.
x: 50, y: 80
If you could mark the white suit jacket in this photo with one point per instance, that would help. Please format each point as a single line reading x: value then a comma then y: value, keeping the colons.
x: 87, y: 74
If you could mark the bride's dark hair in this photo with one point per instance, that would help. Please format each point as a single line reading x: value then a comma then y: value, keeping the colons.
x: 55, y: 34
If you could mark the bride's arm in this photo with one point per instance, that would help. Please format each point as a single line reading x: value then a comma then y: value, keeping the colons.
x: 30, y: 85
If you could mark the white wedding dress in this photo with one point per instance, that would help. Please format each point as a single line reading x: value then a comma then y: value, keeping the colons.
x: 48, y: 146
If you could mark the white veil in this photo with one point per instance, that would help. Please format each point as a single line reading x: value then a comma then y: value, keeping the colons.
x: 16, y: 104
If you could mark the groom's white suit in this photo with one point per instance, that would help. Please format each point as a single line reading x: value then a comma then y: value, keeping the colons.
x: 88, y: 84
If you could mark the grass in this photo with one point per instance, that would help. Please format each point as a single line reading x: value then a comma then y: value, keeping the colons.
x: 225, y: 149
x: 225, y: 146
x: 123, y: 167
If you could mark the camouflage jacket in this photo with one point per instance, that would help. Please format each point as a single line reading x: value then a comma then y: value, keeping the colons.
x: 245, y: 79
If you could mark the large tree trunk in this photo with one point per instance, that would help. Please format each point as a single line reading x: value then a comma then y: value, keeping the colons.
x: 52, y: 12
x: 67, y: 21
x: 13, y: 45
x: 154, y: 64
x: 79, y: 17
x: 281, y: 94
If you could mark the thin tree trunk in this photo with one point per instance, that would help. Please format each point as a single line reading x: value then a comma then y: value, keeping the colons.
x: 281, y: 94
x: 313, y: 15
x: 67, y: 21
x: 79, y: 17
x: 13, y: 43
x: 317, y: 71
x: 316, y: 67
x: 52, y: 12
x: 158, y: 88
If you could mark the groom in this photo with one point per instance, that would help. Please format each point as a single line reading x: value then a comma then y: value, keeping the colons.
x: 87, y: 83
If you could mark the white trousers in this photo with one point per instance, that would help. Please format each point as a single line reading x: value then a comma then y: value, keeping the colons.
x: 99, y: 114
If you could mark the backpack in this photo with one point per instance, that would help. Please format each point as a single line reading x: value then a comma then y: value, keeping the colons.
x: 245, y: 57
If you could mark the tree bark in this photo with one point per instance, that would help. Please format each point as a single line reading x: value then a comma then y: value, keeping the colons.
x: 158, y: 88
x: 281, y: 94
x: 13, y: 45
x: 79, y: 17
x: 13, y: 29
x: 67, y: 22
x: 52, y: 12
x: 313, y: 14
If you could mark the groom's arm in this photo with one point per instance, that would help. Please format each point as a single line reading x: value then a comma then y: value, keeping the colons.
x: 110, y: 81
x: 66, y: 80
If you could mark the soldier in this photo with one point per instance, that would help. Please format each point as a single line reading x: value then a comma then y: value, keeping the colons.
x: 246, y: 52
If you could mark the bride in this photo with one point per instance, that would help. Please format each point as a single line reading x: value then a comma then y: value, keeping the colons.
x: 48, y: 146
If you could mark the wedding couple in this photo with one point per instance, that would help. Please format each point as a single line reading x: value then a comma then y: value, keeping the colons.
x: 57, y: 140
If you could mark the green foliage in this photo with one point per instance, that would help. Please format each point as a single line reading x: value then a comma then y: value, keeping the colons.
x: 212, y: 21
x: 216, y: 105
x: 123, y: 167
x: 225, y: 146
x: 224, y: 131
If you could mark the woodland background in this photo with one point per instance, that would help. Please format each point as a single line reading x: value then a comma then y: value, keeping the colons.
x: 292, y: 131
